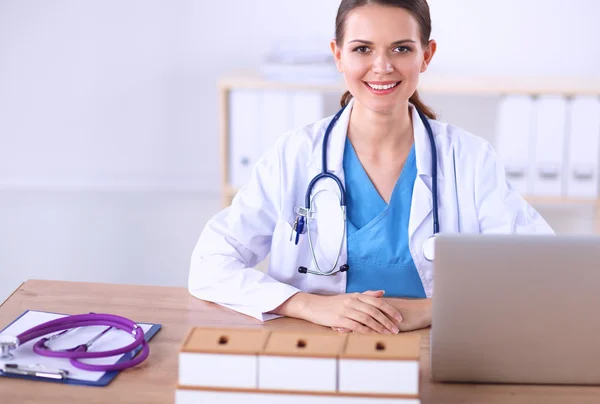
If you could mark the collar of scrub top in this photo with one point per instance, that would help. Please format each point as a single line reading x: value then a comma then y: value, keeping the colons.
x: 337, y: 139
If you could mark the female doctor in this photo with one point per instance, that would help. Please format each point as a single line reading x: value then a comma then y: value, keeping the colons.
x: 400, y: 174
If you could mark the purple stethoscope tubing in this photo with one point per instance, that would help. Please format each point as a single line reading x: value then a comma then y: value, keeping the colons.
x: 80, y: 352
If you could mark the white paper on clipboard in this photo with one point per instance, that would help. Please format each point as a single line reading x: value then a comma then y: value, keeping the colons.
x: 24, y: 355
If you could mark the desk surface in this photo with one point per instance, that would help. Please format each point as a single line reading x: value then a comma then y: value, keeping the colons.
x: 155, y: 380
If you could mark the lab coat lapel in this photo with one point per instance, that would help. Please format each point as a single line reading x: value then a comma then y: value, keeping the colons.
x: 421, y: 205
x: 335, y: 146
x: 422, y: 199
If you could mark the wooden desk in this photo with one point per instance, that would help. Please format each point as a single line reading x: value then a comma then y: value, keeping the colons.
x: 155, y: 380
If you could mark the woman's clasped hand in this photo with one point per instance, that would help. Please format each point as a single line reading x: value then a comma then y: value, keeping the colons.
x: 366, y: 312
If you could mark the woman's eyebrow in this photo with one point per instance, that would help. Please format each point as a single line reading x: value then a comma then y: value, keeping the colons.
x: 400, y: 42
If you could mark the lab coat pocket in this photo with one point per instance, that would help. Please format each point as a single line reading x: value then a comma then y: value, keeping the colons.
x: 292, y: 255
x: 311, y: 246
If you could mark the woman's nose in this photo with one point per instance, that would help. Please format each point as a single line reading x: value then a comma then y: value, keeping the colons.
x: 382, y: 65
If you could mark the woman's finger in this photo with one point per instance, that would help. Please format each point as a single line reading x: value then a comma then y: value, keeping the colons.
x: 374, y: 293
x: 366, y: 319
x: 351, y: 325
x: 379, y: 316
x: 382, y: 305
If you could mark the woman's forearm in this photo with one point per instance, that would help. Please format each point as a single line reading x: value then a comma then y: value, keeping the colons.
x: 295, y: 306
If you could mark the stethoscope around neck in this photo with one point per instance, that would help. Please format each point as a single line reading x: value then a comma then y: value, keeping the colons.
x: 305, y: 214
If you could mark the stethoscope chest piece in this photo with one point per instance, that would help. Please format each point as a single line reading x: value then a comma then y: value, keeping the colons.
x: 429, y: 248
x: 8, y: 343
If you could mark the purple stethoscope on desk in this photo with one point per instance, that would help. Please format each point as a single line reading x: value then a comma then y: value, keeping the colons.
x: 76, y: 354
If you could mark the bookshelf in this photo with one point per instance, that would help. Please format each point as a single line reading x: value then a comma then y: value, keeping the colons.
x: 429, y: 83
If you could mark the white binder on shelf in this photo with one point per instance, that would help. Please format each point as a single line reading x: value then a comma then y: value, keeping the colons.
x: 245, y: 107
x: 550, y: 113
x: 584, y: 143
x: 305, y: 107
x: 514, y: 140
x: 275, y: 120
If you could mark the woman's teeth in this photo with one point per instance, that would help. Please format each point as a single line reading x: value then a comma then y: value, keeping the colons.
x: 382, y: 87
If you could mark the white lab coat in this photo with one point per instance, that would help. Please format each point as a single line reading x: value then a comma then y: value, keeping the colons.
x: 474, y: 197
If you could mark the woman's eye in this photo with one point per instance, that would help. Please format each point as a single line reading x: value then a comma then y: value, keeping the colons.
x: 402, y: 49
x: 361, y: 49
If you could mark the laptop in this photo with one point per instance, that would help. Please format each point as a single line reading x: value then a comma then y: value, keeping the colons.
x: 516, y: 309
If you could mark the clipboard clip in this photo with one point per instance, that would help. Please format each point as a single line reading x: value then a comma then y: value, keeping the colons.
x: 35, y: 371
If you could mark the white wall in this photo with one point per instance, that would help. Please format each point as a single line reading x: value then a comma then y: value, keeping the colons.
x: 122, y: 94
x: 520, y: 37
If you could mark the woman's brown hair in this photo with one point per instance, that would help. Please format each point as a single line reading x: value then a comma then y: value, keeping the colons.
x: 420, y: 11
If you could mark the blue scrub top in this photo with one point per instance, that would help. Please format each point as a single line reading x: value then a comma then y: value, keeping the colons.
x: 378, y: 254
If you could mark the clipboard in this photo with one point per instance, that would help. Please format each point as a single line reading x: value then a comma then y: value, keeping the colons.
x: 24, y: 355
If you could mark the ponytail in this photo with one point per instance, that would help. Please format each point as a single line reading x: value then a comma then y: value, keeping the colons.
x: 345, y: 99
x: 415, y: 100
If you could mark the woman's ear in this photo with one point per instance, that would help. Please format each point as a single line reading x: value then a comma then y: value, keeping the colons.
x: 428, y: 54
x: 337, y: 53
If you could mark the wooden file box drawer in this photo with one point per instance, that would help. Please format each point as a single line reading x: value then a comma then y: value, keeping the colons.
x: 380, y: 364
x: 300, y: 361
x: 221, y: 357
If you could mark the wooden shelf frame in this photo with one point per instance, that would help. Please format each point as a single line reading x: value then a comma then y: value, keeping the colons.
x: 441, y: 84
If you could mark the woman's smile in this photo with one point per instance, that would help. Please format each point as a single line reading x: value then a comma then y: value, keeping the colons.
x: 380, y: 87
